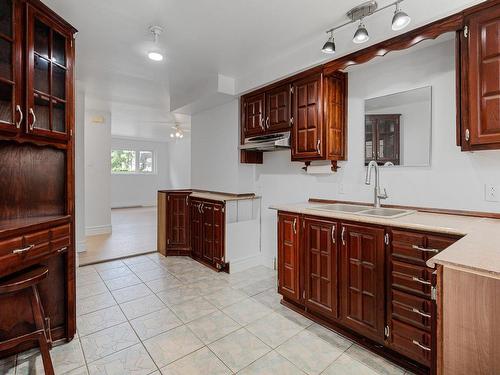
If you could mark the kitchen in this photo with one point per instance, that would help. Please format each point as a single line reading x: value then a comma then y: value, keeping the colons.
x: 368, y: 180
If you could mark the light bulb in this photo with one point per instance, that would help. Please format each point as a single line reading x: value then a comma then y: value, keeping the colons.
x: 155, y: 56
x: 172, y: 135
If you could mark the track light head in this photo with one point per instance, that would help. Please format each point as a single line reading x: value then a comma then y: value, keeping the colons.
x: 400, y: 19
x: 361, y: 35
x: 329, y: 46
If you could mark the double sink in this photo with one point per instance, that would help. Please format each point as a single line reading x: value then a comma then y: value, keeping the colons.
x: 386, y: 213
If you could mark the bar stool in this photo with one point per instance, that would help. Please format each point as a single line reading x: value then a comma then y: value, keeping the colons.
x: 18, y: 282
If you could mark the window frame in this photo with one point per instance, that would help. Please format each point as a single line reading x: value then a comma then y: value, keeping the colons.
x: 137, y: 152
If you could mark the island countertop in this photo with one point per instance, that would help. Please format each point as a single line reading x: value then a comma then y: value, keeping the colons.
x: 213, y: 195
x: 477, y: 251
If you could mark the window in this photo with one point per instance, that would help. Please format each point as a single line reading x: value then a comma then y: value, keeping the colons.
x: 132, y: 161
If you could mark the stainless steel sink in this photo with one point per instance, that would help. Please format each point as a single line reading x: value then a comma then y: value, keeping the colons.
x: 387, y: 213
x: 340, y: 207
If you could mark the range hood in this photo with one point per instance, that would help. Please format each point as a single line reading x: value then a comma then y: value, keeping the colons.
x: 266, y: 143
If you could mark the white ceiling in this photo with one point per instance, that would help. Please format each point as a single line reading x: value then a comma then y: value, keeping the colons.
x: 253, y: 41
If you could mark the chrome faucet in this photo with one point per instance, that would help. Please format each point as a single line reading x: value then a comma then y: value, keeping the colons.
x: 378, y: 195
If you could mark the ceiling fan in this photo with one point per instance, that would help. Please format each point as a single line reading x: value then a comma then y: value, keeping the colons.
x: 178, y: 132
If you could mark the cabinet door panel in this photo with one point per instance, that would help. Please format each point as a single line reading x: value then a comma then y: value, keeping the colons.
x: 178, y: 221
x: 307, y: 143
x: 207, y: 211
x: 288, y: 256
x: 483, y: 77
x: 363, y: 280
x: 219, y: 224
x: 253, y: 115
x: 321, y: 267
x: 196, y: 228
x: 278, y: 109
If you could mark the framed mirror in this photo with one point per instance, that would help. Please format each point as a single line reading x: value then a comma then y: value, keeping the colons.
x: 398, y: 128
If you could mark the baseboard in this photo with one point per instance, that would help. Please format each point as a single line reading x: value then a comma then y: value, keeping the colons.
x: 243, y: 264
x: 100, y: 229
x: 269, y: 262
x: 81, y: 246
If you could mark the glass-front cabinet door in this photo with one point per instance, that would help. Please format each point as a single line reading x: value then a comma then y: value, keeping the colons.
x: 48, y: 77
x: 11, y: 108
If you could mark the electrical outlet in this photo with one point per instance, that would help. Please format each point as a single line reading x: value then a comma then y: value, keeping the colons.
x: 492, y: 193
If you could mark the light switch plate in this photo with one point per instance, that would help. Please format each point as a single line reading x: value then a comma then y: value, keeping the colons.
x: 492, y: 193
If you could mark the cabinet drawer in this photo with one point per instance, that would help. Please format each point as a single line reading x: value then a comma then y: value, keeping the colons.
x: 412, y: 278
x: 60, y: 244
x: 8, y: 246
x: 417, y: 247
x: 37, y: 237
x: 58, y: 232
x: 23, y: 256
x: 412, y: 342
x: 410, y: 309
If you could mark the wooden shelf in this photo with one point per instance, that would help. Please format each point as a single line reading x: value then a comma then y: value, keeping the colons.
x: 11, y: 227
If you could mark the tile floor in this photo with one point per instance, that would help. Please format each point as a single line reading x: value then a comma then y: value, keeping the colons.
x: 152, y: 315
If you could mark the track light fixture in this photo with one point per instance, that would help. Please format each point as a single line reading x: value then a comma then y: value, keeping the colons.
x: 329, y: 46
x: 399, y: 21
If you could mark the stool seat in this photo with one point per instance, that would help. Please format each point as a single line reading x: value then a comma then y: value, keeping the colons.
x: 24, y: 279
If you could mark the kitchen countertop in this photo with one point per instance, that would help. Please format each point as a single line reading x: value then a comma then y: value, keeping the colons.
x: 478, y: 251
x: 215, y: 196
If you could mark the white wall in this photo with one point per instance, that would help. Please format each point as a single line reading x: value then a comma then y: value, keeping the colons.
x: 128, y: 190
x: 179, y: 159
x: 215, y: 156
x: 80, y: 171
x: 97, y: 171
x: 454, y: 180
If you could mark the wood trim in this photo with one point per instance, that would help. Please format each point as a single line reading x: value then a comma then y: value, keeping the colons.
x: 161, y: 243
x: 50, y: 13
x: 486, y: 215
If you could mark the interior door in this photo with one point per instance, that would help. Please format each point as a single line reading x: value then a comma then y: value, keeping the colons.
x: 321, y: 266
x: 254, y: 115
x: 278, y: 109
x: 207, y: 210
x: 49, y: 73
x: 288, y: 256
x: 483, y: 76
x: 307, y: 142
x: 363, y: 280
x: 11, y: 107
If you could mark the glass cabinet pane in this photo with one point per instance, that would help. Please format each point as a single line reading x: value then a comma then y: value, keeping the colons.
x: 42, y: 112
x: 6, y: 17
x: 58, y: 48
x: 42, y: 35
x: 58, y: 117
x: 5, y: 59
x: 6, y: 103
x: 58, y: 82
x: 41, y: 75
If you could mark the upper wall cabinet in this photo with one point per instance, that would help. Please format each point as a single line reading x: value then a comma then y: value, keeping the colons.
x: 35, y: 102
x: 11, y: 115
x: 480, y: 81
x: 253, y: 115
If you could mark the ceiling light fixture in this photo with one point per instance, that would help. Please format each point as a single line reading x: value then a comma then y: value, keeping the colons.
x: 155, y: 54
x: 399, y: 21
x: 361, y: 35
x: 177, y: 132
x: 329, y: 46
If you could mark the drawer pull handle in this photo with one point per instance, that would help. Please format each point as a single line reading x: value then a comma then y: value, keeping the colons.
x: 295, y: 226
x: 342, y: 235
x: 417, y: 311
x: 418, y: 280
x: 424, y: 250
x: 23, y: 250
x: 333, y: 234
x: 423, y: 347
x: 62, y: 250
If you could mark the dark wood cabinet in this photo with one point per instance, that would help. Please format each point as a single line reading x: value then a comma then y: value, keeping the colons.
x: 307, y: 110
x: 335, y: 114
x: 479, y: 80
x: 37, y: 203
x: 192, y: 227
x: 178, y: 223
x: 278, y: 111
x: 363, y: 259
x: 321, y: 268
x: 253, y: 115
x: 288, y: 256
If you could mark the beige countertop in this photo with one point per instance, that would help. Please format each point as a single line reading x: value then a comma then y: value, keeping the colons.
x: 222, y: 196
x: 477, y: 251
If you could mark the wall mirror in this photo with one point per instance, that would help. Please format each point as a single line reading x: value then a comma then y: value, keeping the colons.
x: 398, y: 128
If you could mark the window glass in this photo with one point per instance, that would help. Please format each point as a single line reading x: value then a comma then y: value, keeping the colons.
x: 123, y: 161
x: 146, y: 162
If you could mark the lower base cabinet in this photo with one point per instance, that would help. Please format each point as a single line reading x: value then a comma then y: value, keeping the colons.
x: 370, y: 281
